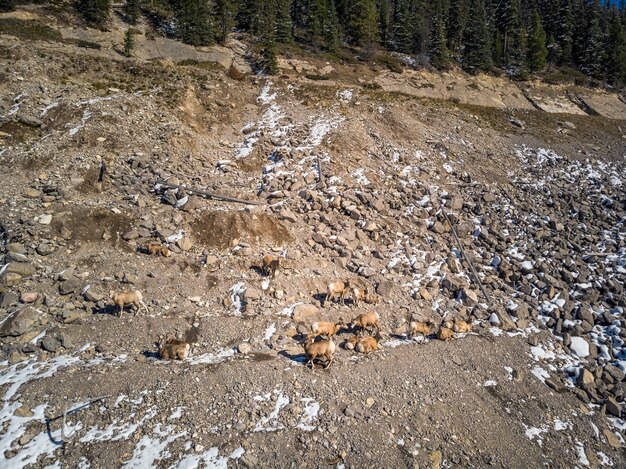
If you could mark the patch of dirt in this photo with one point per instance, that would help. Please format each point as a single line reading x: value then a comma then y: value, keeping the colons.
x: 218, y: 229
x: 88, y: 225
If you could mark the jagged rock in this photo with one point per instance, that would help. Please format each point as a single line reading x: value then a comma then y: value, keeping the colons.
x: 613, y: 407
x: 438, y: 227
x: 130, y: 235
x: 69, y: 286
x: 11, y: 279
x: 384, y: 288
x: 24, y: 269
x: 253, y: 293
x: 454, y: 265
x: 288, y: 215
x: 19, y: 322
x: 370, y: 226
x: 614, y: 372
x: 45, y: 249
x: 244, y: 348
x: 470, y: 297
x: 185, y: 243
x: 586, y: 378
x: 7, y: 300
x: 304, y: 311
x: 16, y: 248
x: 50, y: 344
x: 452, y: 283
x: 45, y: 219
x: 93, y: 296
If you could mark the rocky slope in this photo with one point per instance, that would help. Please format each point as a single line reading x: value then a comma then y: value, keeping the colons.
x: 344, y: 180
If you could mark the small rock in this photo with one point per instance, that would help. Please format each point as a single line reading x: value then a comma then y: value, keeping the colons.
x: 23, y: 411
x: 129, y: 236
x: 19, y: 322
x: 45, y: 219
x: 29, y: 297
x: 244, y: 348
x: 16, y: 248
x: 69, y: 286
x: 185, y: 243
x: 586, y: 378
x: 25, y: 269
x: 45, y: 249
x: 7, y: 300
x: 611, y: 439
x: 369, y: 402
x: 93, y: 296
x: 613, y: 407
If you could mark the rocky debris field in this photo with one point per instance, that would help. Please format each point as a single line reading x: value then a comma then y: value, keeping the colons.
x: 100, y: 158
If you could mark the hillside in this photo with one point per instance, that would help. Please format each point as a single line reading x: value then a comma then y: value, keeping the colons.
x: 350, y: 171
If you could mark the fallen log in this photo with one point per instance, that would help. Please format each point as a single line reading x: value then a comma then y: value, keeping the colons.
x: 208, y: 195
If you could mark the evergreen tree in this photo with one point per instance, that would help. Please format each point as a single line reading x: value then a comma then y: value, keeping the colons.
x: 132, y: 10
x: 314, y: 22
x: 283, y: 21
x: 330, y: 30
x: 223, y: 19
x: 537, y: 51
x: 194, y: 22
x: 477, y: 50
x: 594, y: 56
x: 384, y: 20
x: 129, y: 42
x: 402, y: 30
x: 616, y: 50
x: 264, y: 27
x: 457, y: 21
x: 513, y: 34
x: 246, y: 10
x: 362, y: 24
x: 438, y: 50
x: 565, y: 34
x: 95, y: 12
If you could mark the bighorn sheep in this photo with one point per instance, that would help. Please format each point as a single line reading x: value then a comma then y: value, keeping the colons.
x: 445, y: 334
x: 327, y: 328
x: 423, y: 328
x: 350, y: 342
x: 172, y: 349
x: 323, y: 348
x: 365, y: 320
x: 368, y: 344
x: 336, y: 290
x: 461, y: 326
x: 128, y: 298
x: 269, y: 265
x: 158, y: 249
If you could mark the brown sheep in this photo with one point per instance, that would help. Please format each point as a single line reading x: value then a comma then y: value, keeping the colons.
x: 368, y: 344
x: 158, y: 249
x: 336, y: 290
x: 322, y: 349
x: 172, y: 349
x: 420, y: 328
x: 365, y: 320
x: 327, y: 328
x: 270, y: 264
x: 445, y: 334
x: 128, y: 298
x: 461, y: 326
x: 350, y: 342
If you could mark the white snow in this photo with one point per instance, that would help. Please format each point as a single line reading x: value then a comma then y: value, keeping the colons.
x: 490, y: 383
x: 237, y: 292
x: 560, y: 425
x: 580, y: 347
x: 269, y: 332
x: 311, y: 409
x: 212, y: 358
x: 269, y: 423
x: 149, y: 450
x: 535, y: 433
x: 540, y: 373
x: 211, y: 459
x: 582, y: 457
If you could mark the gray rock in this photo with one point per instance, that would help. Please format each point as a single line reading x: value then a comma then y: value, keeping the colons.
x: 613, y: 407
x: 7, y: 300
x: 45, y: 249
x: 69, y: 286
x: 19, y: 322
x: 16, y: 248
x: 25, y: 269
x: 384, y: 288
x: 615, y: 372
x: 304, y: 311
x: 50, y: 344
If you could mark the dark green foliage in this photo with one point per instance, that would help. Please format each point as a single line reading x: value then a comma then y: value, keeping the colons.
x: 194, y: 22
x: 403, y: 30
x: 132, y: 10
x: 283, y: 21
x: 477, y: 52
x: 129, y: 43
x: 264, y: 27
x: 223, y: 18
x: 362, y: 27
x: 438, y: 49
x: 457, y: 21
x: 95, y: 12
x: 537, y: 50
x: 7, y: 5
x: 616, y: 50
x: 594, y: 57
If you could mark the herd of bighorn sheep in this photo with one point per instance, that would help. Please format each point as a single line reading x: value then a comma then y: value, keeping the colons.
x: 319, y: 344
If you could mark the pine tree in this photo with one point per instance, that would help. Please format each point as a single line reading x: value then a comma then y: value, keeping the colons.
x: 246, y: 10
x: 403, y: 27
x: 362, y: 24
x: 7, y: 5
x: 616, y: 50
x: 384, y: 20
x: 283, y: 21
x: 594, y: 56
x: 514, y: 35
x: 264, y: 27
x: 537, y: 51
x: 565, y: 34
x: 223, y: 19
x: 132, y: 10
x: 457, y: 21
x: 477, y: 50
x: 129, y: 43
x: 95, y: 12
x: 194, y: 22
x: 330, y: 29
x: 438, y: 50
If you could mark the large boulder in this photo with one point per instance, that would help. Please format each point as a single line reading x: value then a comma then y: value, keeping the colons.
x: 19, y: 322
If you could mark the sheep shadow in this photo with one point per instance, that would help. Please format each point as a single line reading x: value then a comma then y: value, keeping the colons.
x: 321, y: 298
x: 111, y: 310
x: 258, y: 270
x: 295, y: 357
x: 151, y: 354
